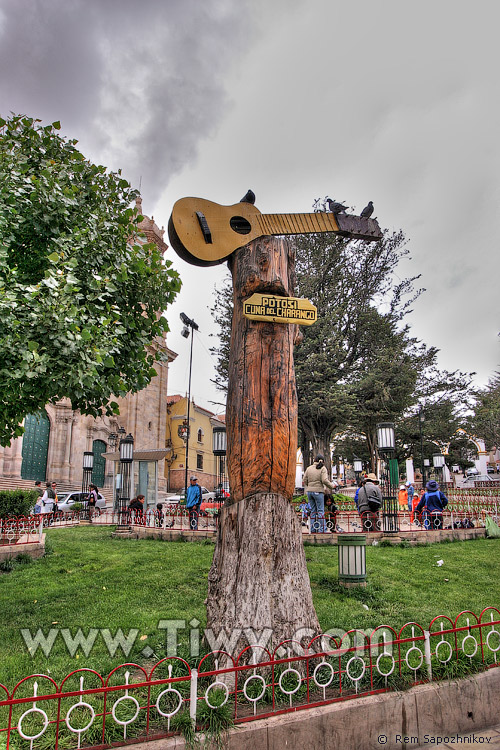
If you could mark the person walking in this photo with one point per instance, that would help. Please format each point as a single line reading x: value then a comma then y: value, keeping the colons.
x: 38, y: 505
x: 370, y: 502
x: 414, y: 503
x: 403, y: 498
x: 193, y: 502
x: 92, y: 501
x: 431, y: 505
x: 411, y: 491
x: 315, y: 480
x: 49, y: 499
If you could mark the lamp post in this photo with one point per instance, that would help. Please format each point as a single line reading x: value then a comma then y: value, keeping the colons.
x: 358, y: 467
x: 427, y: 464
x: 189, y: 323
x: 219, y: 448
x: 421, y: 420
x: 126, y: 458
x: 113, y: 440
x: 386, y: 446
x: 438, y: 463
x: 88, y: 466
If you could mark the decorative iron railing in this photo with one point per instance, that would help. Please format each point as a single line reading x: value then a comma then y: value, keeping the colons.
x: 134, y: 702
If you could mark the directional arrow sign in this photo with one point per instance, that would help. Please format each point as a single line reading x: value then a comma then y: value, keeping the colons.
x: 280, y: 309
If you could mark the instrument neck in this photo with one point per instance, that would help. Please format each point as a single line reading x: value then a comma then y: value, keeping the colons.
x: 277, y: 224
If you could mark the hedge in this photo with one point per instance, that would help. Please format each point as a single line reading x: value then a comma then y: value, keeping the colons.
x: 17, y: 502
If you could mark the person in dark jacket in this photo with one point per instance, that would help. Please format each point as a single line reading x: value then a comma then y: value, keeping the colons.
x: 92, y: 501
x: 431, y: 505
x: 193, y: 502
x: 370, y: 501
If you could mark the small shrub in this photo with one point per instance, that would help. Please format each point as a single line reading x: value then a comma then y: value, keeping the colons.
x: 17, y: 502
x: 7, y: 566
x: 385, y: 543
x: 181, y: 722
x: 24, y: 559
x: 49, y: 549
x: 216, y: 722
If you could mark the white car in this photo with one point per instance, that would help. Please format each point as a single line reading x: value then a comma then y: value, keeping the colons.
x: 67, y: 500
x: 206, y: 497
x: 473, y: 478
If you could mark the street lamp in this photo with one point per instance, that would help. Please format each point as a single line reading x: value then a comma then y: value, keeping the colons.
x: 219, y: 448
x: 126, y: 458
x: 189, y: 323
x: 88, y: 466
x: 421, y: 420
x: 386, y: 444
x: 427, y: 464
x: 438, y: 462
x: 358, y: 467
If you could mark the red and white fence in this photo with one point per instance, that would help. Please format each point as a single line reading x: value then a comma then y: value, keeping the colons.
x: 134, y: 703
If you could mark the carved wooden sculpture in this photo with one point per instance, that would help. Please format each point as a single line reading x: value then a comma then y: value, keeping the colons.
x: 258, y: 579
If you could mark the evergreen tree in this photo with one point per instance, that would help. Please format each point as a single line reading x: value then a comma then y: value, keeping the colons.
x: 485, y: 421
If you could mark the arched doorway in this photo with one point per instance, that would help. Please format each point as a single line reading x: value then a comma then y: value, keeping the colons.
x: 35, y: 446
x: 98, y: 472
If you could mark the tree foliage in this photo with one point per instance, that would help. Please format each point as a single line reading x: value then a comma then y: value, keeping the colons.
x: 486, y: 419
x: 80, y: 291
x: 360, y: 305
x: 358, y: 364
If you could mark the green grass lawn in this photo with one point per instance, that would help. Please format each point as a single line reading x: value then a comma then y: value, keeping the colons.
x: 91, y: 580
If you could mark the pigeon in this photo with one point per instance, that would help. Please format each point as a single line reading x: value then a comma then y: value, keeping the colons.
x: 249, y: 197
x: 367, y: 211
x: 336, y: 208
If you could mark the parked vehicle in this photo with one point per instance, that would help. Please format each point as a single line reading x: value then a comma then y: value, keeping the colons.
x: 473, y: 478
x: 67, y: 500
x: 471, y: 472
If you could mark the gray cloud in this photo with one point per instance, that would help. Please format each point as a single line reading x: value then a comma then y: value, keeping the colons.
x: 139, y: 84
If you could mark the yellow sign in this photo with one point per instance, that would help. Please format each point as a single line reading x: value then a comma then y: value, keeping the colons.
x: 280, y: 309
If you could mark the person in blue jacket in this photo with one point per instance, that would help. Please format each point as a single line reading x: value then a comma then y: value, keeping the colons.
x: 193, y: 503
x: 432, y: 504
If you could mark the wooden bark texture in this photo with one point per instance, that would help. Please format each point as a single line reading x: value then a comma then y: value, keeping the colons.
x: 261, y: 414
x: 258, y: 577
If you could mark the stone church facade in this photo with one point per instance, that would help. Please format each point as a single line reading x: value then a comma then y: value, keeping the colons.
x: 54, y: 441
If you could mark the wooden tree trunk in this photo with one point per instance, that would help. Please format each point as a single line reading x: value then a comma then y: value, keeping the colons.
x: 258, y: 579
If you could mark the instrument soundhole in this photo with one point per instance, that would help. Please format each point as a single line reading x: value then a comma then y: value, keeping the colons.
x: 240, y: 225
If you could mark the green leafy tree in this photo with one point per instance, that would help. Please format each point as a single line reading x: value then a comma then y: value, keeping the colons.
x: 80, y: 290
x: 354, y: 287
x: 385, y: 385
x: 485, y: 421
x: 349, y: 282
x: 462, y: 452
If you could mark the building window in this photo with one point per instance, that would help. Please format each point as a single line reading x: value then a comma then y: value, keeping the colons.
x: 200, y: 436
x: 199, y: 461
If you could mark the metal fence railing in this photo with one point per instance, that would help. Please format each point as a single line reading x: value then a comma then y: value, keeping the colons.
x: 466, y: 511
x: 133, y: 703
x: 20, y: 530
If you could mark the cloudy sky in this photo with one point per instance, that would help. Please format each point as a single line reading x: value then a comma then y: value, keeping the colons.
x: 386, y: 100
